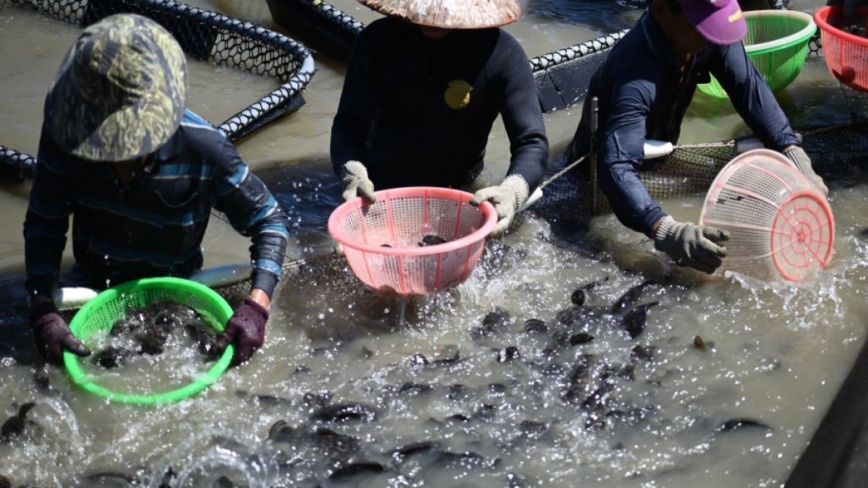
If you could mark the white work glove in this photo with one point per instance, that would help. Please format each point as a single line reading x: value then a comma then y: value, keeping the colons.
x: 355, y: 182
x: 798, y: 156
x: 847, y: 6
x: 690, y: 244
x: 506, y: 197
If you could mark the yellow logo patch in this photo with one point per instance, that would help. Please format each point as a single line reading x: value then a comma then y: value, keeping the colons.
x: 457, y: 94
x: 732, y: 18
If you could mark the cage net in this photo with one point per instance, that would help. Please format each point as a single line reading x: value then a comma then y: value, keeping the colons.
x: 205, y: 36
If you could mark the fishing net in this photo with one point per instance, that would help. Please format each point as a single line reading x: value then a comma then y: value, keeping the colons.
x: 205, y: 36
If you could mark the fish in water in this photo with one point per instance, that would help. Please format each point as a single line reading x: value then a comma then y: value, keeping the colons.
x: 5, y: 482
x: 431, y: 240
x: 15, y: 426
x: 735, y: 424
x: 151, y: 327
x: 345, y: 412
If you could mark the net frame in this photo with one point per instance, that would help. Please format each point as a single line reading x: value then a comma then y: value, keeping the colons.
x: 206, y: 36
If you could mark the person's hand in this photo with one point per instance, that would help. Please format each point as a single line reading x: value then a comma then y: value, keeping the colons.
x: 51, y: 333
x: 246, y: 329
x: 690, y: 244
x: 798, y: 156
x: 847, y: 6
x: 506, y: 197
x: 355, y: 182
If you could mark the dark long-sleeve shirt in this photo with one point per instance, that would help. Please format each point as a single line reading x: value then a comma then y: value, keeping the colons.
x: 403, y: 111
x: 642, y: 95
x: 154, y: 225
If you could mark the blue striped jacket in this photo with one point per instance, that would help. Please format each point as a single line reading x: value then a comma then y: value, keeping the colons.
x: 154, y: 225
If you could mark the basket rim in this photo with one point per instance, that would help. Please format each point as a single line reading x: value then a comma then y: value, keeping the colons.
x: 821, y: 19
x: 73, y: 368
x: 350, y: 206
x: 787, y: 41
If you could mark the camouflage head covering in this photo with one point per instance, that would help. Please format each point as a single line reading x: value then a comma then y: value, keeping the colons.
x: 120, y: 92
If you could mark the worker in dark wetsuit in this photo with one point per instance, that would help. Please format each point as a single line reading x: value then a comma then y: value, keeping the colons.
x: 140, y: 174
x: 421, y: 93
x: 644, y: 88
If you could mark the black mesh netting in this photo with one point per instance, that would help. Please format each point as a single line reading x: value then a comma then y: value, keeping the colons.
x: 206, y: 36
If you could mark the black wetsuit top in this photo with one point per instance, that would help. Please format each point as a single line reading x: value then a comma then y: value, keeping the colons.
x: 405, y: 111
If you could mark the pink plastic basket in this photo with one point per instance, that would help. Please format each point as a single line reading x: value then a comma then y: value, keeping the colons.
x: 780, y: 223
x: 381, y: 241
x: 846, y: 54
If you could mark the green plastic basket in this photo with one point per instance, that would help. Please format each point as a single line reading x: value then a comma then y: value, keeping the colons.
x: 102, y: 311
x: 777, y: 44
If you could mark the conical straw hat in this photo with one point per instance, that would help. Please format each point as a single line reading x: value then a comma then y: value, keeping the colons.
x: 450, y: 14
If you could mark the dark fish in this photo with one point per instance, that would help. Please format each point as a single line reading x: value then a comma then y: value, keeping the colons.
x: 699, y: 343
x: 356, y: 469
x: 415, y: 388
x: 402, y: 453
x: 203, y: 336
x: 112, y: 357
x: 597, y: 399
x: 532, y: 429
x: 301, y: 369
x: 418, y: 360
x: 5, y: 482
x: 578, y: 296
x: 14, y: 427
x: 635, y: 320
x: 345, y: 412
x: 467, y: 459
x: 109, y: 479
x: 318, y: 400
x: 507, y: 354
x: 642, y: 353
x: 431, y: 240
x: 735, y: 424
x: 535, y: 327
x: 324, y: 439
x: 485, y: 412
x: 281, y: 431
x: 577, y: 316
x: 497, y: 319
x: 630, y: 298
x: 264, y: 400
x: 577, y: 380
x: 580, y: 338
x: 225, y: 482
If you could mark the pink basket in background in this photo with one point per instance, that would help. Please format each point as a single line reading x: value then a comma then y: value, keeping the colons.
x: 780, y: 224
x: 381, y: 241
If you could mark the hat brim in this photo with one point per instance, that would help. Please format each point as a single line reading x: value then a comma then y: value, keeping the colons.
x: 449, y: 14
x: 104, y: 133
x: 718, y: 26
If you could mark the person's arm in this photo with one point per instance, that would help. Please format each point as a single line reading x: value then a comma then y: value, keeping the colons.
x: 253, y: 211
x: 521, y: 113
x: 621, y: 152
x: 359, y: 102
x: 751, y: 96
x: 47, y: 221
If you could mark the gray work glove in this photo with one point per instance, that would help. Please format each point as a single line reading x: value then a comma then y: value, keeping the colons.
x: 798, y: 156
x: 506, y: 197
x: 355, y: 182
x: 690, y: 244
x: 847, y: 6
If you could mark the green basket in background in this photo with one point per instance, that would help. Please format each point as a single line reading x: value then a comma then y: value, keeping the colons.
x: 102, y: 311
x: 777, y: 44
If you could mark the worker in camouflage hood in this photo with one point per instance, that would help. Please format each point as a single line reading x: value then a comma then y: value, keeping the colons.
x: 140, y: 174
x: 423, y: 87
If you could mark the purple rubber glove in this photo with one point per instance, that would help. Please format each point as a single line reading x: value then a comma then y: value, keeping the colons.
x: 246, y: 328
x: 52, y: 334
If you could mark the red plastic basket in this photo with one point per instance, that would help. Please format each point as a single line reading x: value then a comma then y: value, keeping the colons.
x: 780, y: 224
x: 846, y: 54
x: 381, y: 241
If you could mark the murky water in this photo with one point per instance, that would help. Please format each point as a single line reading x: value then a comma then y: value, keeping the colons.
x: 495, y: 404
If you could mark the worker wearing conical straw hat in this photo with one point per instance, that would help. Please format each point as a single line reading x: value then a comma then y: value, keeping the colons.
x: 423, y: 88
